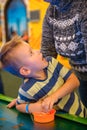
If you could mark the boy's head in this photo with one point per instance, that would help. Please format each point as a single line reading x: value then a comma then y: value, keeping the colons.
x: 18, y: 58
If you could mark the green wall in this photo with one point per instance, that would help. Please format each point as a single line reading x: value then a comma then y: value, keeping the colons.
x: 10, y: 83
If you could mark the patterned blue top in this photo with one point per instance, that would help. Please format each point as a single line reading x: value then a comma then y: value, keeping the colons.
x: 65, y: 33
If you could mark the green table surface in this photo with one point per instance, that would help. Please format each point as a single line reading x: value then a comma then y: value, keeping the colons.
x: 11, y: 119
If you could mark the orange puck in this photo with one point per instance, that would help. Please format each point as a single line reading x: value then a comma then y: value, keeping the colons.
x: 42, y: 117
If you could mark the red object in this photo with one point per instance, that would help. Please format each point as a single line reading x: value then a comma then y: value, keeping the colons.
x: 42, y: 117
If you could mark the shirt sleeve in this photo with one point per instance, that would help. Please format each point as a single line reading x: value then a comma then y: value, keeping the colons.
x: 84, y: 26
x: 47, y: 43
x: 24, y: 97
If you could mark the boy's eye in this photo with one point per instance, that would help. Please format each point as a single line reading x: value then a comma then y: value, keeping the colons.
x: 31, y: 53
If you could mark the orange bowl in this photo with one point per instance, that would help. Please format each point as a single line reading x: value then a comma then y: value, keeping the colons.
x: 42, y: 117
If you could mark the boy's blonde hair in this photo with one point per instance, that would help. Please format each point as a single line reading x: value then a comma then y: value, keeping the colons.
x: 8, y: 61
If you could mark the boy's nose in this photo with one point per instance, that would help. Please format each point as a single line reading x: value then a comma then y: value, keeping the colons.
x: 37, y: 51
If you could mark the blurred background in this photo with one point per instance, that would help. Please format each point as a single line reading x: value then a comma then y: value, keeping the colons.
x: 25, y: 18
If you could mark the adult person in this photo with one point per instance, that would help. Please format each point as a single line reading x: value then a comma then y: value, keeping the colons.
x: 65, y: 33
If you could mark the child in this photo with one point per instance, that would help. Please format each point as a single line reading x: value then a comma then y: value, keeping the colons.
x: 48, y: 83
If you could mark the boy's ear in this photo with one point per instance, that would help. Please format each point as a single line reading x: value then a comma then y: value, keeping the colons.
x: 24, y: 71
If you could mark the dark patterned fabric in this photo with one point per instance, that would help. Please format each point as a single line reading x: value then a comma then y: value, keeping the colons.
x: 65, y: 33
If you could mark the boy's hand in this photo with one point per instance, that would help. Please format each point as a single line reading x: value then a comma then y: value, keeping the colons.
x: 48, y: 102
x: 12, y: 103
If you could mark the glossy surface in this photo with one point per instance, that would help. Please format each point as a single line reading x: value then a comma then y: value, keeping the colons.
x: 11, y: 119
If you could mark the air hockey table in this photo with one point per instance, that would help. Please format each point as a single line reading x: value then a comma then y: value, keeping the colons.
x: 11, y: 119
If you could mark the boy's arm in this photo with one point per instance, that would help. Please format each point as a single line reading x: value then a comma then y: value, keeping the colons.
x: 32, y: 107
x: 71, y: 83
x: 12, y: 103
x: 47, y: 42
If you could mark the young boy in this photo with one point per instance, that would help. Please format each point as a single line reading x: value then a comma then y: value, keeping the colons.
x: 48, y: 84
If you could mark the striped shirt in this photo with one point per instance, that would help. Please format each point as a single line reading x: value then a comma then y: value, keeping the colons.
x: 33, y: 90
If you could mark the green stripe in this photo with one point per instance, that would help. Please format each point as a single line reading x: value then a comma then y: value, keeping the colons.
x: 5, y: 98
x: 59, y: 114
x: 72, y: 117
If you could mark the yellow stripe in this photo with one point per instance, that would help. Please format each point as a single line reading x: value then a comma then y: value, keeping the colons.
x: 75, y: 107
x: 54, y: 62
x: 63, y: 101
x: 64, y: 71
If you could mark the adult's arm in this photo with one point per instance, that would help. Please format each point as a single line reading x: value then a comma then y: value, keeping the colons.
x: 47, y: 43
x: 71, y: 83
